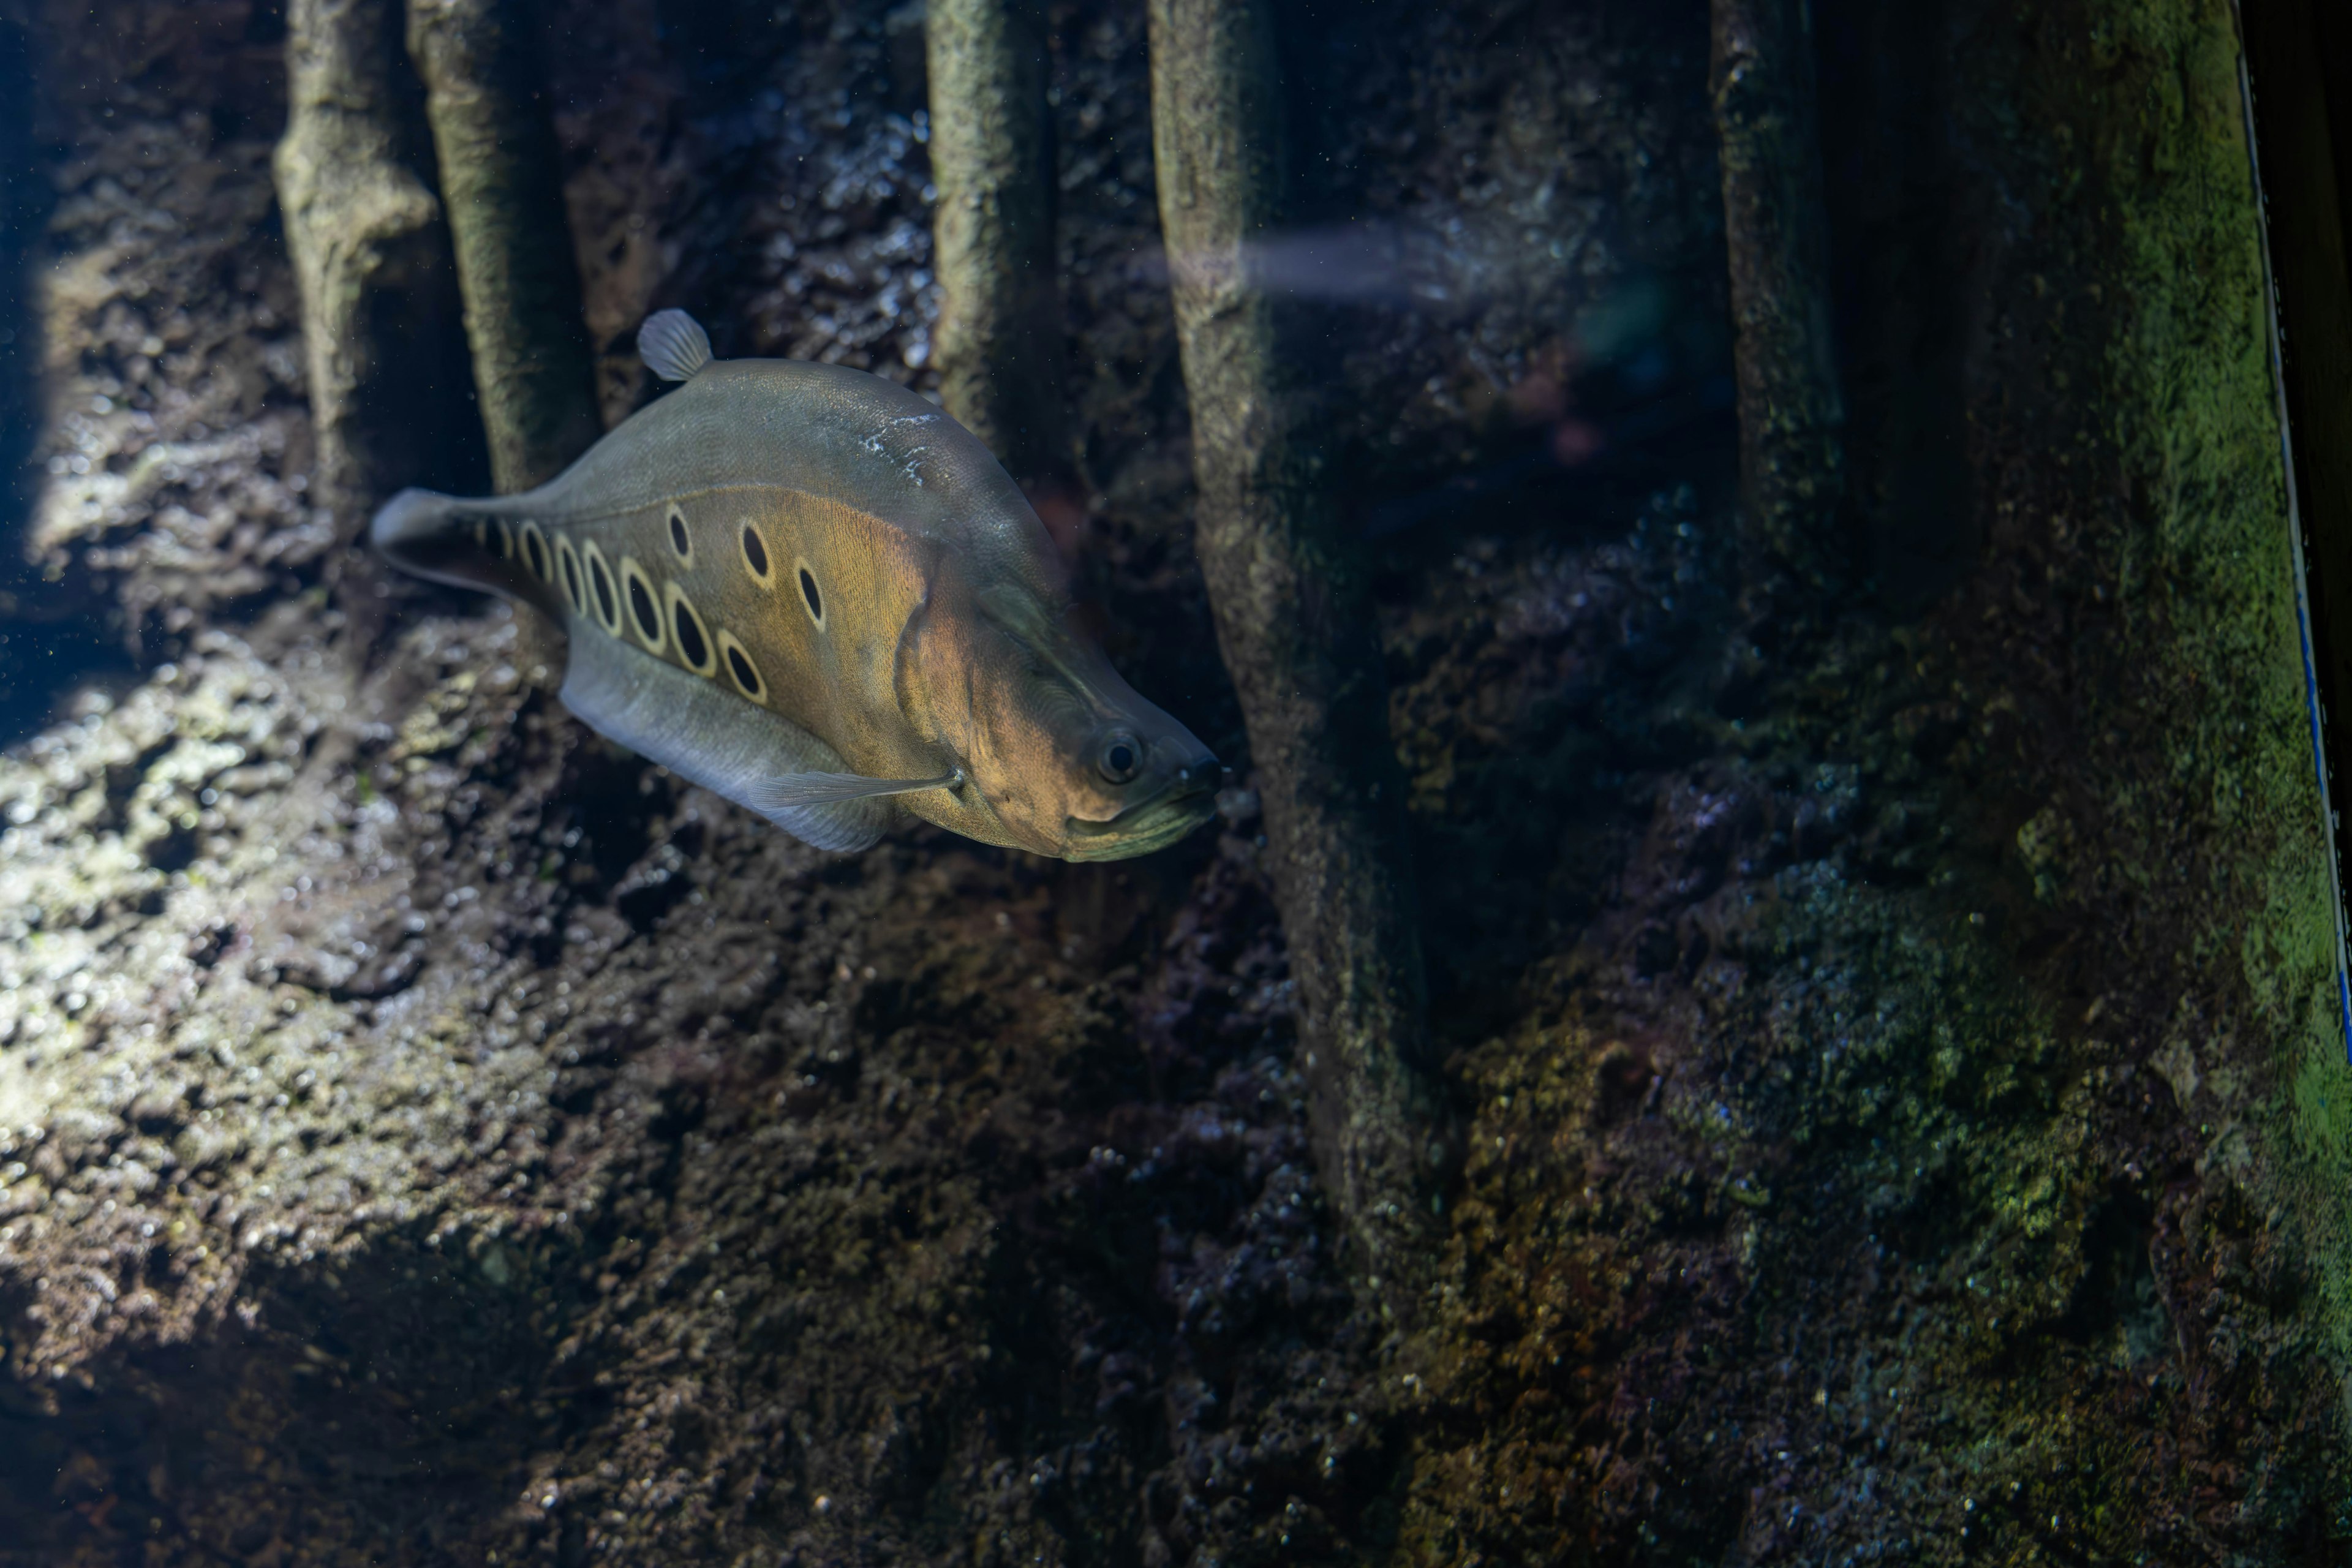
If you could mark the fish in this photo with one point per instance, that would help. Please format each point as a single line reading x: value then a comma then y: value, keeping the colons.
x: 809, y: 591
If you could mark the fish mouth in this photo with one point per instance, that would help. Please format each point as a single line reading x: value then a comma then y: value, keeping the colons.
x: 1139, y: 830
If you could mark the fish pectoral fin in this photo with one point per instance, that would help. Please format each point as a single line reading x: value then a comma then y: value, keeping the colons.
x: 673, y: 345
x: 789, y: 790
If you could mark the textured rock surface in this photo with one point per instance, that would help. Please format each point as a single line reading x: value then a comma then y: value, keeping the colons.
x: 1894, y: 1051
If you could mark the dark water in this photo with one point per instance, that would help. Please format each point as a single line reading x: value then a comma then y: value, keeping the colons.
x: 1842, y: 1061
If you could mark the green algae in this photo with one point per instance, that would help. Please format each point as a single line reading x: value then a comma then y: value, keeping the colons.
x: 2192, y: 411
x: 2025, y: 1137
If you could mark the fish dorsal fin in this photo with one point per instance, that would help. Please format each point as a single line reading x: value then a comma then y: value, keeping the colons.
x: 790, y: 790
x: 673, y: 345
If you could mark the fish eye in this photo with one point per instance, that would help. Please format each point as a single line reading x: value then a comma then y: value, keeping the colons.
x: 1121, y: 757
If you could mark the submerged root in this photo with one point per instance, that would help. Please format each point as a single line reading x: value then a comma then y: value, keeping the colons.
x: 1294, y: 623
x: 502, y: 178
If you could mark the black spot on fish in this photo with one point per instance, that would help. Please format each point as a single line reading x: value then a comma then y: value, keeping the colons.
x: 504, y: 537
x: 679, y: 543
x: 808, y: 592
x: 535, y: 548
x: 687, y: 626
x: 755, y: 552
x: 641, y: 603
x: 570, y: 565
x: 739, y: 665
x: 602, y: 582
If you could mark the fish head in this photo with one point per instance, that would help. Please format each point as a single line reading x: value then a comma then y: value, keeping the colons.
x: 1058, y: 754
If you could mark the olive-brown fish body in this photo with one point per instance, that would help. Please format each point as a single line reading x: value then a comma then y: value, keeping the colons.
x: 812, y: 591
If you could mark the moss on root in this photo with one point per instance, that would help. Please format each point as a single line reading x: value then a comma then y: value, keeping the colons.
x: 1936, y: 1148
x: 2192, y: 417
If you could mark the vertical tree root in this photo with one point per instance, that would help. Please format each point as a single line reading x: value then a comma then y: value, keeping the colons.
x: 24, y: 201
x: 364, y: 236
x: 1294, y: 623
x: 1791, y: 417
x: 999, y: 331
x: 502, y: 181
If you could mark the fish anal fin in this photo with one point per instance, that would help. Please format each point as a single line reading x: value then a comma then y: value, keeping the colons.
x: 707, y: 737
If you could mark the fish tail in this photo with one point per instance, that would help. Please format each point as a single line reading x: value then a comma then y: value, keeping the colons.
x: 449, y: 539
x: 412, y: 530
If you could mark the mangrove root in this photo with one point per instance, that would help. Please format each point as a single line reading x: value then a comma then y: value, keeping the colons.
x: 370, y: 259
x: 1293, y: 620
x: 999, y: 333
x: 1791, y: 418
x: 502, y: 181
